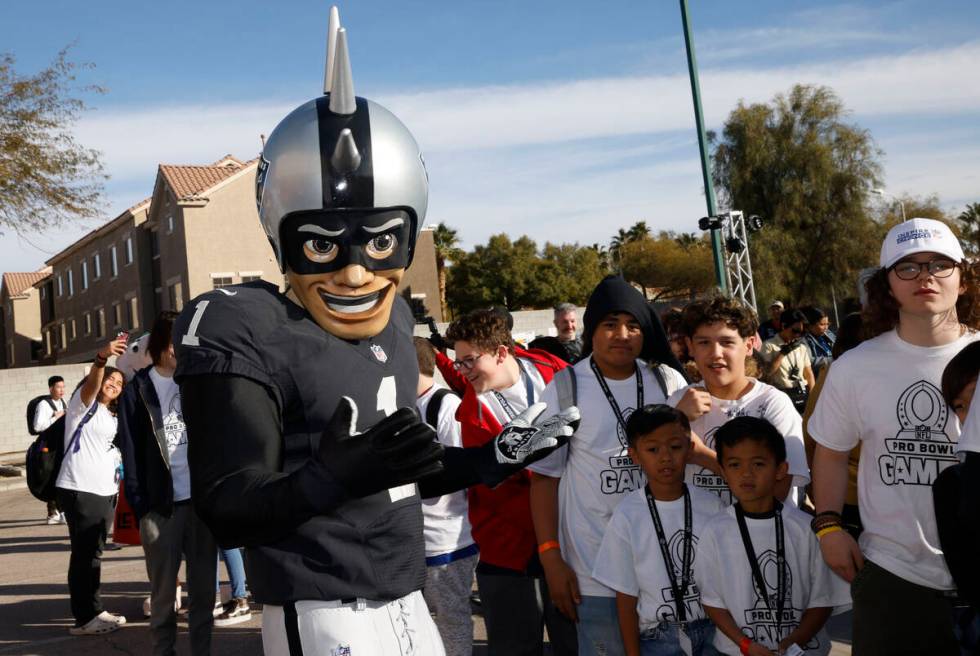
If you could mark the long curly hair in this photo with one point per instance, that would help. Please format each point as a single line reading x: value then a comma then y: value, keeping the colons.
x: 880, y: 314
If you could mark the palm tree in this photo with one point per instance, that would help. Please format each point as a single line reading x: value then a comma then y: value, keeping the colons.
x: 446, y: 241
x: 620, y: 239
x: 603, y: 254
x: 970, y: 222
x: 639, y: 230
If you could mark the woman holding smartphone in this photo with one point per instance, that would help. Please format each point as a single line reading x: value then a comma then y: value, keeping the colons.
x: 87, y: 486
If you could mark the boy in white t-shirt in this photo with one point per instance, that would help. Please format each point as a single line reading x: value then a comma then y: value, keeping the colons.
x: 647, y: 554
x: 763, y: 582
x: 450, y: 551
x: 923, y: 308
x: 719, y: 334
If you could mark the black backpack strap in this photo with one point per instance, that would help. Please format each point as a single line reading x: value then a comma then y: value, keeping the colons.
x: 50, y: 402
x: 659, y: 373
x: 435, y: 404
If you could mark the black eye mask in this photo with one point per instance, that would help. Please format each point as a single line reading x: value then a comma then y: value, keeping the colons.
x: 345, y: 238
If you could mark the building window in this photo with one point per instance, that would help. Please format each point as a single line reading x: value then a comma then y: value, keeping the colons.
x: 117, y: 315
x: 64, y: 337
x: 249, y: 276
x: 97, y: 265
x: 84, y: 275
x: 176, y: 293
x: 47, y: 342
x: 154, y: 244
x: 10, y: 352
x: 71, y: 282
x: 218, y: 282
x: 132, y: 314
x: 42, y: 292
x: 72, y: 329
x: 87, y: 319
x: 129, y: 250
x: 170, y: 223
x: 100, y: 323
x: 113, y: 262
x: 61, y: 289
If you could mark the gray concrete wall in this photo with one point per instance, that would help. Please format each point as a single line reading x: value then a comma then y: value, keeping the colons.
x: 17, y: 387
x: 528, y: 324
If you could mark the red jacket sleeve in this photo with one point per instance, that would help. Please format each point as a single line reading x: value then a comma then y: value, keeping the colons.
x: 455, y: 380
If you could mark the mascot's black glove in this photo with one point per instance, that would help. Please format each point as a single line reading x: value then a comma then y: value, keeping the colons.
x: 525, y: 439
x: 397, y: 450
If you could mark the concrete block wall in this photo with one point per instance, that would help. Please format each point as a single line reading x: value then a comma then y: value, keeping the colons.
x: 528, y: 324
x: 17, y: 387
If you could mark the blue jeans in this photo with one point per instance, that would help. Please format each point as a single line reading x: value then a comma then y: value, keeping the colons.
x: 662, y: 641
x: 598, y: 627
x: 236, y: 572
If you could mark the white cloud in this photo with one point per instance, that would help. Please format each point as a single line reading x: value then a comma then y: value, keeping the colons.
x: 569, y: 160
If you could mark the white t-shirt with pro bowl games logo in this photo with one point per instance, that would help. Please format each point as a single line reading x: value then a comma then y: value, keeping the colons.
x: 595, y: 470
x: 885, y: 395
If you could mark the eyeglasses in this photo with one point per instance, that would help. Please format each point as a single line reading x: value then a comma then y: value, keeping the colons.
x: 937, y: 268
x: 467, y: 364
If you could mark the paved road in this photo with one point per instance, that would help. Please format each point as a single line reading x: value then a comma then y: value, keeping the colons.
x: 34, y: 613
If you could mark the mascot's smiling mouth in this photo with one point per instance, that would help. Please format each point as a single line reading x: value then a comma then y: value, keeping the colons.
x: 351, y: 304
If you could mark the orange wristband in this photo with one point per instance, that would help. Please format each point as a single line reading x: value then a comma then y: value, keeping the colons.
x: 547, y: 546
x: 744, y: 645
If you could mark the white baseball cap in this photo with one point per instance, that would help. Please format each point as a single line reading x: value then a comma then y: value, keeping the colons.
x: 919, y: 236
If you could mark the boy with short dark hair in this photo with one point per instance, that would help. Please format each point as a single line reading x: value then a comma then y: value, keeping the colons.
x: 719, y: 337
x: 762, y: 578
x: 658, y: 603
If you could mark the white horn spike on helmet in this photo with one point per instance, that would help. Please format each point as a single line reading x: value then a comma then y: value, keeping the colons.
x: 332, y: 26
x: 345, y: 158
x: 342, y: 81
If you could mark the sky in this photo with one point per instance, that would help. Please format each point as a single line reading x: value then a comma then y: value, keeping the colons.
x: 559, y: 119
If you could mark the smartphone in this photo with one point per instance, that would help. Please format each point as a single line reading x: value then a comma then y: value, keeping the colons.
x: 123, y: 335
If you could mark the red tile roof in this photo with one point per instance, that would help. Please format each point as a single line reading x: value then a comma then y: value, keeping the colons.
x: 17, y: 283
x: 190, y: 182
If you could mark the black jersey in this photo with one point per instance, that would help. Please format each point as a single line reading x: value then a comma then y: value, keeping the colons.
x: 370, y: 548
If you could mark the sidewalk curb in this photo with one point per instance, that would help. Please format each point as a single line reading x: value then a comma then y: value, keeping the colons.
x: 14, y: 484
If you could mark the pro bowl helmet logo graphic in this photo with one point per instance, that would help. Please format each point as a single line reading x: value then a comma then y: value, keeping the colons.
x: 692, y: 598
x: 921, y: 449
x: 620, y: 431
x: 760, y: 620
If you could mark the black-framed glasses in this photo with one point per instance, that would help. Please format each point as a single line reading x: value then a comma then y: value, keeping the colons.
x: 466, y: 364
x: 940, y: 268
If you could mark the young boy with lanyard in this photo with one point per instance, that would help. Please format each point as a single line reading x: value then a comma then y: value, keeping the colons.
x: 762, y: 579
x: 922, y: 310
x: 627, y: 363
x: 657, y: 601
x: 719, y: 334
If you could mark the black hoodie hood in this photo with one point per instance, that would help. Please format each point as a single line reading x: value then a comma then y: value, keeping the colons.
x: 614, y: 294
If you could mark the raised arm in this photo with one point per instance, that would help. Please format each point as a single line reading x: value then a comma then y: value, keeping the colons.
x: 93, y: 381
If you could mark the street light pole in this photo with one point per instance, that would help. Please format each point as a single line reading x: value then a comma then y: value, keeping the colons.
x: 709, y: 190
x: 883, y: 193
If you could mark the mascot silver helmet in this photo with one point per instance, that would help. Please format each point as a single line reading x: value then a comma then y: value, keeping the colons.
x: 339, y: 153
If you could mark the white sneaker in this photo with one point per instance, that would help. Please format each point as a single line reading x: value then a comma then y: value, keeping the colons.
x: 148, y: 604
x: 54, y: 519
x: 100, y: 624
x: 235, y: 611
x: 61, y: 518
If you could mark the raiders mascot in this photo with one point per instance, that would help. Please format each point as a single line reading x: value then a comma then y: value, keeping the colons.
x: 304, y: 445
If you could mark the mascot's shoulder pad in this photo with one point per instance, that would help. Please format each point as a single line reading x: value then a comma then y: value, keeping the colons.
x: 222, y: 331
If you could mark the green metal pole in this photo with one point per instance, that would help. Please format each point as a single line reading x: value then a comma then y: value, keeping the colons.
x: 709, y: 189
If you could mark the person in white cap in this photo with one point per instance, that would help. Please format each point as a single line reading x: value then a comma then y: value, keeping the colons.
x: 885, y: 395
x: 771, y: 327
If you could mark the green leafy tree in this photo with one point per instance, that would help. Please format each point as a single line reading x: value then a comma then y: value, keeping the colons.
x: 668, y: 268
x: 969, y: 220
x: 799, y: 164
x: 46, y: 177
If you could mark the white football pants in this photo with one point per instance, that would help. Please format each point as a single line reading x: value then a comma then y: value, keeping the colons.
x: 364, y: 628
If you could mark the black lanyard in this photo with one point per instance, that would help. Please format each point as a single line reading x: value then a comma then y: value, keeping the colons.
x: 780, y: 564
x: 612, y: 400
x: 679, y: 591
x: 528, y: 388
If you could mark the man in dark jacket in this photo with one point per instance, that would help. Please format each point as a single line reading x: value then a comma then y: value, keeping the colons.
x: 153, y: 439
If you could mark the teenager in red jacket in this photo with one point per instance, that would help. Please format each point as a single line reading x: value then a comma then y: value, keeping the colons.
x: 499, y: 381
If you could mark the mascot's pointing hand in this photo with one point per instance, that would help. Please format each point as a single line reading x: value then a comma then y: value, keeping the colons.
x: 397, y: 450
x: 526, y: 439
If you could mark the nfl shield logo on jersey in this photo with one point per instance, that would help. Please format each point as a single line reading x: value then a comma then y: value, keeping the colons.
x: 379, y: 353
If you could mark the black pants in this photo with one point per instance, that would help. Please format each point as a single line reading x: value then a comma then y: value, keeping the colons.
x: 89, y: 517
